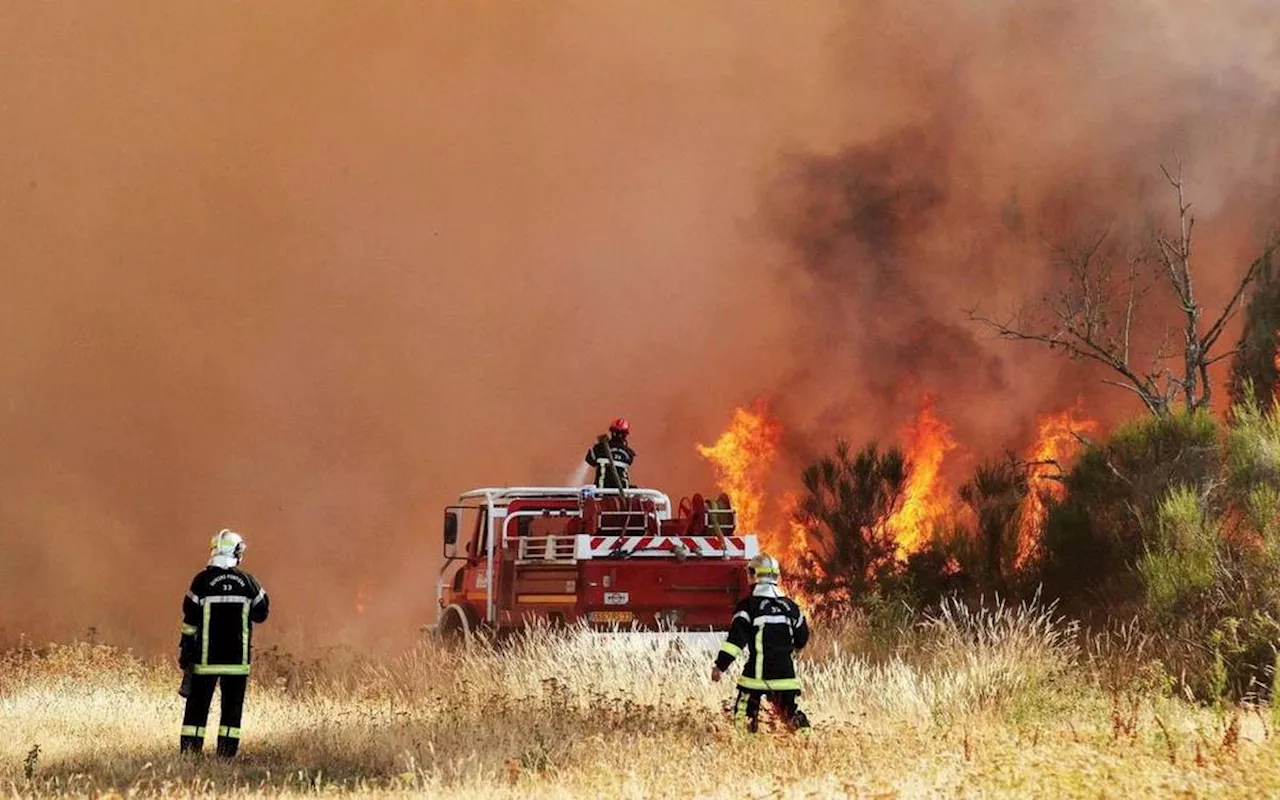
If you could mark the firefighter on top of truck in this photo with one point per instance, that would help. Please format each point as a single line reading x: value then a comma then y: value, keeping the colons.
x: 616, y: 453
x: 769, y: 626
x: 218, y: 614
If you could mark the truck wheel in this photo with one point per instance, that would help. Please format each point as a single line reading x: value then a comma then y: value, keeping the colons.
x: 456, y: 626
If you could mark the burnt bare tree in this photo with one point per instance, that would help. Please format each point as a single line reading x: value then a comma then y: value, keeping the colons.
x: 1094, y: 316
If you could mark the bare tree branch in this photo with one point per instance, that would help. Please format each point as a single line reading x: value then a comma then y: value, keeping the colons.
x: 1222, y: 356
x: 1077, y: 345
x: 1081, y: 438
x: 1129, y: 307
x: 1095, y: 315
x: 1232, y: 305
x: 1144, y: 396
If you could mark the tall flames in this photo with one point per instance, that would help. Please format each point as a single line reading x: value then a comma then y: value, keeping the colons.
x: 1057, y: 437
x: 744, y: 457
x: 928, y: 440
x: 797, y: 533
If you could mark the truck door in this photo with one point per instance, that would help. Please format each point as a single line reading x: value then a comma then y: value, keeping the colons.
x: 476, y: 583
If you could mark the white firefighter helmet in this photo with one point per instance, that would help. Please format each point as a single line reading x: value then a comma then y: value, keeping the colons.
x: 764, y: 569
x: 228, y: 544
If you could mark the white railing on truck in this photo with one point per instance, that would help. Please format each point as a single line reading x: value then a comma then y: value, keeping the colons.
x: 500, y: 496
x: 546, y: 549
x: 552, y: 548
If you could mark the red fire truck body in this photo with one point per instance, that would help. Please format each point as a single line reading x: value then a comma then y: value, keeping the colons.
x: 586, y: 555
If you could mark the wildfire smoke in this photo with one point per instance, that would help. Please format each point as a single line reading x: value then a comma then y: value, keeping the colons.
x: 312, y: 269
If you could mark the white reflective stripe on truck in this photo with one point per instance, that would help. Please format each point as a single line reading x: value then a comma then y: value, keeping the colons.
x: 588, y: 547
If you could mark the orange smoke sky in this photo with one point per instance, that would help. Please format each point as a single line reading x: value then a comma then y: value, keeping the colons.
x: 309, y: 269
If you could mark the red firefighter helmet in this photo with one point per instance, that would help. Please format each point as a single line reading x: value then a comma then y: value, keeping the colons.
x: 619, y: 427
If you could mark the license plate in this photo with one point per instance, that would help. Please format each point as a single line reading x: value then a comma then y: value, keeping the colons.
x: 611, y: 616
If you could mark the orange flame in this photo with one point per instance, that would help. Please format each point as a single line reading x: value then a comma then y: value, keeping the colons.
x: 797, y: 533
x: 787, y: 534
x: 1055, y: 442
x: 928, y: 442
x: 743, y: 456
x: 793, y: 557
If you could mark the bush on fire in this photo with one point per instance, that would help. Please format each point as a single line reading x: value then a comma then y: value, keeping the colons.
x: 1173, y: 521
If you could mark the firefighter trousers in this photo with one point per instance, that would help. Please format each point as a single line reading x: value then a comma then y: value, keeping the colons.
x: 196, y: 715
x: 747, y: 709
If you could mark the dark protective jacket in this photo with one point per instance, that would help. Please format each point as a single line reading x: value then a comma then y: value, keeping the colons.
x: 622, y: 456
x: 769, y: 626
x: 218, y: 614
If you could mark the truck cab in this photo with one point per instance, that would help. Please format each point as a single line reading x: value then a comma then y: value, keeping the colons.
x: 605, y: 558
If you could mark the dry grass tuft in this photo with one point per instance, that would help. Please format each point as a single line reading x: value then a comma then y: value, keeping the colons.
x: 993, y: 701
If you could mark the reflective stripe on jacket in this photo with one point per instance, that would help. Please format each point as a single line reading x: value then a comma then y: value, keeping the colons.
x: 769, y: 627
x: 218, y: 614
x: 617, y: 453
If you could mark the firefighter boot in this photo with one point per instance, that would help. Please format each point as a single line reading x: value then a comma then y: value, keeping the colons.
x: 228, y: 745
x: 789, y: 709
x: 800, y: 723
x: 192, y: 741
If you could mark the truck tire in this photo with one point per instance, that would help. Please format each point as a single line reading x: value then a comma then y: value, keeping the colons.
x: 457, y: 626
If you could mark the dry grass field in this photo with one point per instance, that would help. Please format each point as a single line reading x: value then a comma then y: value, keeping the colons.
x: 1002, y: 702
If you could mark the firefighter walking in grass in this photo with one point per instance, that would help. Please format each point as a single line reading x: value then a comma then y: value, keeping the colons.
x: 769, y: 627
x: 218, y: 614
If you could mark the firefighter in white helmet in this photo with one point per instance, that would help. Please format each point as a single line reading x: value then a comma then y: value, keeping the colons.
x: 218, y: 614
x: 769, y: 627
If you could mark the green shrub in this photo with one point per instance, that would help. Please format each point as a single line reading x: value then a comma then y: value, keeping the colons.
x: 1109, y: 517
x: 1179, y: 566
x: 1253, y: 467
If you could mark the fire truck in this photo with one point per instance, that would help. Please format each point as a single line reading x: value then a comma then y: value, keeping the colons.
x: 604, y: 558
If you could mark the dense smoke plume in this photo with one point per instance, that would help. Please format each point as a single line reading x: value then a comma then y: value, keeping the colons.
x: 982, y: 139
x: 308, y: 270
